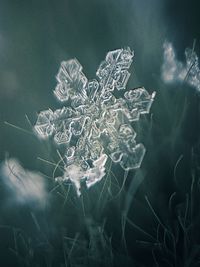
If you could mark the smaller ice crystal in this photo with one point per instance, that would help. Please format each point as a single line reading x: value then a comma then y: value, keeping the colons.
x: 76, y: 173
x: 96, y: 124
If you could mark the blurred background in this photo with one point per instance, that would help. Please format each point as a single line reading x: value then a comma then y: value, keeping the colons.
x: 154, y: 219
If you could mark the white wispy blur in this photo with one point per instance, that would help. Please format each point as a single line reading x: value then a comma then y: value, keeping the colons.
x: 175, y: 71
x: 25, y: 186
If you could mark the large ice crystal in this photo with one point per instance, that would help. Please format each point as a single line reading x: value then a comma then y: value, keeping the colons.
x: 96, y: 124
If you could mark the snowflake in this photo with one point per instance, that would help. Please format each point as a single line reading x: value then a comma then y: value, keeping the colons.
x: 95, y: 124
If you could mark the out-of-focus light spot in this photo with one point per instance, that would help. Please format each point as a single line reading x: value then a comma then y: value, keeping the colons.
x: 175, y: 71
x: 25, y: 186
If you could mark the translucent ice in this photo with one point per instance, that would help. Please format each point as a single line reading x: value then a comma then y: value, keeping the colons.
x: 95, y: 124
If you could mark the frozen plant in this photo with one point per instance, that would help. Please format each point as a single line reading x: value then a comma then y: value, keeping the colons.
x: 94, y: 123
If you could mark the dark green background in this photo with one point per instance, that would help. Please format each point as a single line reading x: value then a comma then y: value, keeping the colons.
x: 35, y: 36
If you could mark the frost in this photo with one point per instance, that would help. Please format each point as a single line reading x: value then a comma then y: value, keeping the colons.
x: 94, y: 123
x: 175, y: 71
